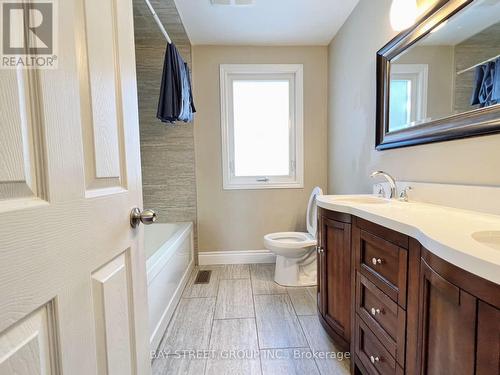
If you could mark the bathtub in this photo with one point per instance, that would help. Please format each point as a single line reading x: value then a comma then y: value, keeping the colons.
x: 170, y: 260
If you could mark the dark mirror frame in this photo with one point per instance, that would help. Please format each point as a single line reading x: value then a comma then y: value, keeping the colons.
x: 477, y: 122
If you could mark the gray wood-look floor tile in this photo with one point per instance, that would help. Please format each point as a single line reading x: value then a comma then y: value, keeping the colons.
x: 288, y: 362
x: 319, y: 341
x: 277, y: 323
x: 236, y: 271
x: 238, y: 336
x: 262, y: 276
x: 303, y: 302
x: 234, y: 299
x: 178, y: 366
x: 313, y: 291
x: 190, y: 327
x: 203, y: 290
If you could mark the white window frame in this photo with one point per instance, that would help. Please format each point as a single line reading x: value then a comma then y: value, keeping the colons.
x: 295, y: 74
x: 418, y: 74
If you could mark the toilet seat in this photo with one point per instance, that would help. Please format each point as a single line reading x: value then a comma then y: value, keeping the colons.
x: 295, y: 251
x: 283, y: 241
x: 291, y: 243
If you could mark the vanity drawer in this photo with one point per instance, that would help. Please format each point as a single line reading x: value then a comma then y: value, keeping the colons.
x: 384, y: 264
x: 385, y: 318
x: 372, y: 354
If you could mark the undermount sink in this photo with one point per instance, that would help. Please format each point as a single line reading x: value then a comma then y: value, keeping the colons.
x: 362, y: 200
x: 488, y: 238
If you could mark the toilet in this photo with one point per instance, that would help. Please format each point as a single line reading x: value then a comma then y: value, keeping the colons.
x: 296, y: 251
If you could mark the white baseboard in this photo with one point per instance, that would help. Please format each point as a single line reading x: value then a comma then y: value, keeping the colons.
x: 236, y: 257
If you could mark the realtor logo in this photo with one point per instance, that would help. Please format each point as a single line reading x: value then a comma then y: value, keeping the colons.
x: 28, y: 34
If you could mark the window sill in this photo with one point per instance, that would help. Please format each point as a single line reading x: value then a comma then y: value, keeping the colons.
x: 263, y: 186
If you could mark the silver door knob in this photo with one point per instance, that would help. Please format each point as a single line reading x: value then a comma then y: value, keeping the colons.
x: 146, y: 217
x: 374, y: 359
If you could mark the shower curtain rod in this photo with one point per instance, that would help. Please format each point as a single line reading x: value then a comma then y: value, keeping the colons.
x: 475, y: 66
x: 158, y: 21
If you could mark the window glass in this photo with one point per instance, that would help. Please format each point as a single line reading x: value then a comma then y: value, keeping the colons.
x: 261, y: 132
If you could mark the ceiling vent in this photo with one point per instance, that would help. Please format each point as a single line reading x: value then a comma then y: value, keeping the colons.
x: 232, y: 2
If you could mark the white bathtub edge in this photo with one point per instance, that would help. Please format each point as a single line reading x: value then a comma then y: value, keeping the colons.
x: 236, y: 257
x: 162, y: 325
x: 155, y: 263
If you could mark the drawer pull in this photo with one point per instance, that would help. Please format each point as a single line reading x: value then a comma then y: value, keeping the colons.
x: 375, y: 311
x: 376, y: 261
x: 374, y: 359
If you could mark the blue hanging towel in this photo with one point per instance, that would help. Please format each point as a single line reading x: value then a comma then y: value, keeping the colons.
x: 496, y: 82
x: 486, y: 90
x: 478, y: 84
x: 176, y: 98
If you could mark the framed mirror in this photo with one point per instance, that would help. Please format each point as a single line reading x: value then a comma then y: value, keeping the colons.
x: 440, y: 80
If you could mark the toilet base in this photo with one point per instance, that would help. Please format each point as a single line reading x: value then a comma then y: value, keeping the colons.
x: 296, y: 272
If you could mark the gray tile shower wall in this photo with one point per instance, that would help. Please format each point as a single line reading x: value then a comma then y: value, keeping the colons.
x: 168, y: 162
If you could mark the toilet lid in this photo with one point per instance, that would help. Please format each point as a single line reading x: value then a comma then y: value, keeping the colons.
x: 312, y: 212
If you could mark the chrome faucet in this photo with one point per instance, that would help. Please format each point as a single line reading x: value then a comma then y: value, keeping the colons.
x: 390, y: 179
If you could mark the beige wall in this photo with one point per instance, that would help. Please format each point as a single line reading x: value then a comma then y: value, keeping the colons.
x: 238, y: 219
x: 351, y: 106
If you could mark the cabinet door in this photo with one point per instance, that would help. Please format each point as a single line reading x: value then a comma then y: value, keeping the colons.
x: 488, y: 340
x: 335, y: 278
x: 447, y: 326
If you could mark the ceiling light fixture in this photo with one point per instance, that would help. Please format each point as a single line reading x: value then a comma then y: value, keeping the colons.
x: 403, y: 14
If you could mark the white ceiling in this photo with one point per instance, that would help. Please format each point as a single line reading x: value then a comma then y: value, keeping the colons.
x: 267, y: 22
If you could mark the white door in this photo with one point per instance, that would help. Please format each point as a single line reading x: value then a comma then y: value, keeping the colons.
x: 72, y: 270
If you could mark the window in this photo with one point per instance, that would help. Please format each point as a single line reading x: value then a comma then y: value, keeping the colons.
x: 408, y: 95
x: 262, y: 131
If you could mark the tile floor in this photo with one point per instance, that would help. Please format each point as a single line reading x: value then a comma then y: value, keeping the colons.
x: 242, y: 322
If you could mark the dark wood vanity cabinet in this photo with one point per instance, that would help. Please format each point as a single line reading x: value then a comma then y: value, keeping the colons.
x: 402, y: 309
x: 334, y: 276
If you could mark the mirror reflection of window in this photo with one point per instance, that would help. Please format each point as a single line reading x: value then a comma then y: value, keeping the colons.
x: 400, y: 104
x: 462, y: 56
x: 408, y: 95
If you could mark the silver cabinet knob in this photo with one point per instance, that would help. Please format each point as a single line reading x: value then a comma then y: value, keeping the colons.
x: 321, y: 250
x: 374, y: 359
x: 376, y: 261
x: 375, y: 311
x: 146, y: 217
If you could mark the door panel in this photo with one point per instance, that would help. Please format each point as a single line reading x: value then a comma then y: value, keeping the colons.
x: 488, y: 340
x: 101, y: 106
x: 447, y: 326
x: 30, y: 346
x: 67, y: 241
x: 112, y: 300
x: 336, y: 273
x: 20, y: 147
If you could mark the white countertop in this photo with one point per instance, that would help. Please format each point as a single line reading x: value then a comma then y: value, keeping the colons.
x: 445, y: 231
